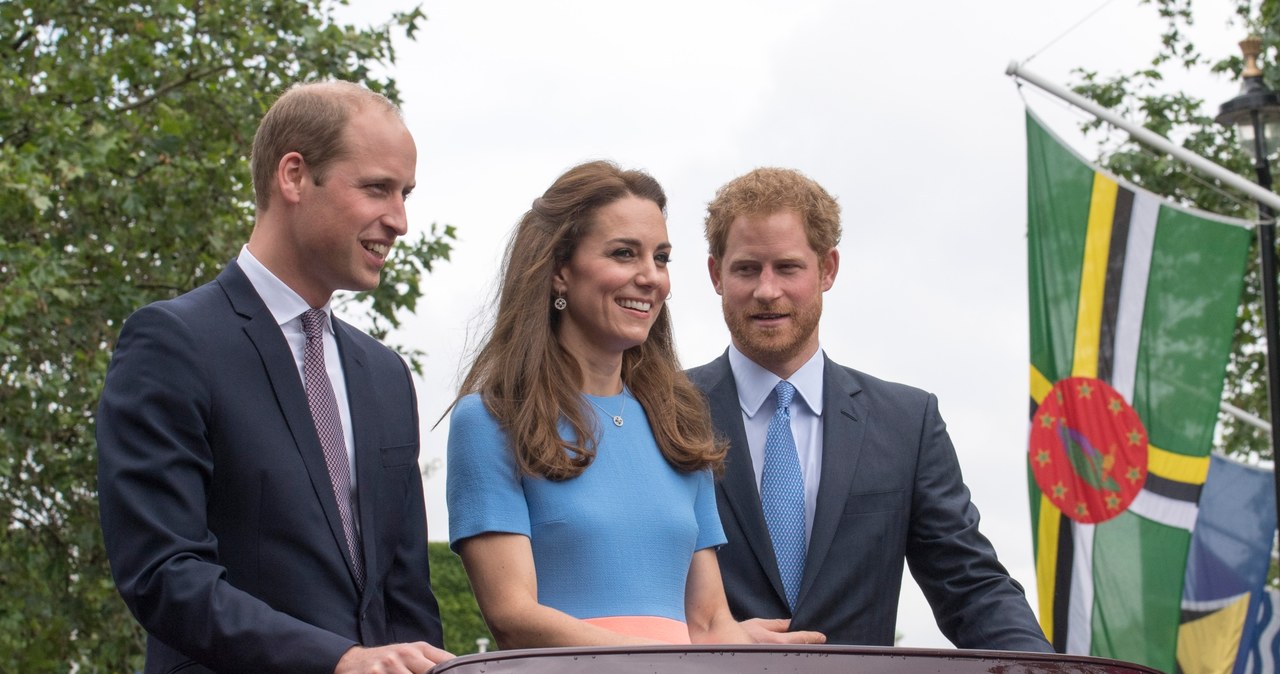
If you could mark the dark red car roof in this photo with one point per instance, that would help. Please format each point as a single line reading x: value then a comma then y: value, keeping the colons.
x: 763, y: 659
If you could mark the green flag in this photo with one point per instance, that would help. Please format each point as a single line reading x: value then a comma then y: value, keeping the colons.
x: 1132, y: 305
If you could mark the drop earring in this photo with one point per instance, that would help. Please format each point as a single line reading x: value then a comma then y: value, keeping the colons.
x: 560, y: 303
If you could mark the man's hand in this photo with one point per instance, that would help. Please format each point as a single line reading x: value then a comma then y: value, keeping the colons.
x: 414, y: 658
x: 774, y: 631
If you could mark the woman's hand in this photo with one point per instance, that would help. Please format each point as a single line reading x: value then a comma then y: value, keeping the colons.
x: 705, y: 607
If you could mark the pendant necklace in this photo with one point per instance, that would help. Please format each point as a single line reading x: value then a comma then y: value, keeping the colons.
x: 617, y: 418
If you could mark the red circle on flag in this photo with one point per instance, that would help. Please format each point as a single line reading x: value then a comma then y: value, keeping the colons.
x: 1088, y: 450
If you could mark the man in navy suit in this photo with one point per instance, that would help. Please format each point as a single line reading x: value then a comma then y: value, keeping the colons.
x: 258, y: 473
x: 826, y: 493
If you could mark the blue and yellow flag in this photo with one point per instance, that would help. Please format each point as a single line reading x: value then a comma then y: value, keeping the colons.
x: 1223, y: 599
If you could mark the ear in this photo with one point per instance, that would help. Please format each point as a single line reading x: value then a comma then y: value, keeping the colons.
x: 713, y: 269
x: 291, y: 174
x: 559, y: 284
x: 830, y: 265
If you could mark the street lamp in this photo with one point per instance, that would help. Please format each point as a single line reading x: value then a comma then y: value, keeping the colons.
x: 1255, y: 113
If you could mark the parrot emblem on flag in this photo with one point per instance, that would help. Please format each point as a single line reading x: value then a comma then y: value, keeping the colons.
x: 1088, y: 450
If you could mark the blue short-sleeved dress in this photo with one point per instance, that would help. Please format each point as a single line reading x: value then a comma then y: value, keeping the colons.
x: 616, y: 541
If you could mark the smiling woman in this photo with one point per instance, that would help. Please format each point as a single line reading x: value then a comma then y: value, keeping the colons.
x: 580, y: 458
x: 614, y: 286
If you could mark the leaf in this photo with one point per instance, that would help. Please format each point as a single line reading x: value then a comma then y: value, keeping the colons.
x: 124, y: 132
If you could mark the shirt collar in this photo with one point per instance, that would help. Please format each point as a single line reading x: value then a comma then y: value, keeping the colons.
x: 756, y: 383
x: 284, y: 304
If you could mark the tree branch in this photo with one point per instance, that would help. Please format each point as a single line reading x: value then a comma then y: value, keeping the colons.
x: 19, y: 137
x: 142, y: 286
x: 22, y: 40
x: 186, y: 79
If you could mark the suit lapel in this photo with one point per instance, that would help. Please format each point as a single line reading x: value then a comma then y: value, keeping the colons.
x: 843, y: 425
x: 739, y: 482
x: 282, y: 371
x: 360, y: 396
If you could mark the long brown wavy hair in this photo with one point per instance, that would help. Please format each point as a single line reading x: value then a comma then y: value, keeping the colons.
x: 527, y: 380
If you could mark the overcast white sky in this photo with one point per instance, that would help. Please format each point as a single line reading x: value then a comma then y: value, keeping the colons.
x: 900, y: 109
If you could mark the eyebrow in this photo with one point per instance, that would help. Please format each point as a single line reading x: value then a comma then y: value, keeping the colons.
x: 382, y: 178
x: 634, y: 242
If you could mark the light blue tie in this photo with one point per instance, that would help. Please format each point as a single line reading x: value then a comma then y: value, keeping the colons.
x: 782, y: 495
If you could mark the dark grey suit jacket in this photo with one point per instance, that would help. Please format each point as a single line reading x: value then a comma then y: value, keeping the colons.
x: 217, y: 509
x: 890, y: 490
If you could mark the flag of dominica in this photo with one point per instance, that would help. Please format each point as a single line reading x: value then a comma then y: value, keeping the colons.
x: 1132, y: 306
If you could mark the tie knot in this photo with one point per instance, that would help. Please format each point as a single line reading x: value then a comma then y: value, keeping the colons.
x: 312, y: 322
x: 785, y: 392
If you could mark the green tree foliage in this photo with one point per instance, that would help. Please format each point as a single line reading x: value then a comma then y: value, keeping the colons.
x: 1143, y: 96
x: 459, y: 612
x: 125, y: 127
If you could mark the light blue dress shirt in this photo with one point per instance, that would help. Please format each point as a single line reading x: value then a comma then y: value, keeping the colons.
x: 758, y: 402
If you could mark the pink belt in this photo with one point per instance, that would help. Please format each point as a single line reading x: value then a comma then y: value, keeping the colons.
x: 647, y: 627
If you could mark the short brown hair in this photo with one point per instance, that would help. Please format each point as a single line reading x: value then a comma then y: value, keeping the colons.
x: 766, y: 191
x: 309, y: 119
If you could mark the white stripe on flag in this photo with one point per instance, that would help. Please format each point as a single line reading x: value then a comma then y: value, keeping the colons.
x: 1167, y: 511
x: 1080, y: 610
x: 1209, y: 605
x: 1133, y: 291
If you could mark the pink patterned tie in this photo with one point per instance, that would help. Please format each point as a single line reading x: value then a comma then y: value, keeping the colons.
x: 324, y: 412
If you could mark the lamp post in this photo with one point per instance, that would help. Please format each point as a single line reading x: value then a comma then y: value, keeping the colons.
x: 1256, y: 115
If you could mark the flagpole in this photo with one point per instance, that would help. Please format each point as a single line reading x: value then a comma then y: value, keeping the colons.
x: 1268, y: 204
x: 1251, y: 419
x: 1148, y: 137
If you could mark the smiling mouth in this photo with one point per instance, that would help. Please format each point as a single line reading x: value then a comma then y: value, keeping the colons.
x: 635, y: 304
x: 378, y: 249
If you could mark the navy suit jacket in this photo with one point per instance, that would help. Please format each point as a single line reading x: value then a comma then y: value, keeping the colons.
x: 890, y: 490
x: 216, y: 505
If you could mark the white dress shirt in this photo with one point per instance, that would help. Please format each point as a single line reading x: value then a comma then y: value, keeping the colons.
x: 758, y: 401
x: 287, y: 307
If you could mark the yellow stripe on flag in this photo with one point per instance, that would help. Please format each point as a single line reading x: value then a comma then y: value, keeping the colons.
x: 1040, y: 385
x: 1179, y: 467
x: 1093, y: 276
x: 1047, y: 560
x: 1047, y: 528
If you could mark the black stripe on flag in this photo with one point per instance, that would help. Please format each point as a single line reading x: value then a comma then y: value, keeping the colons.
x: 1062, y: 585
x: 1115, y: 274
x: 1182, y: 491
x: 1190, y: 615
